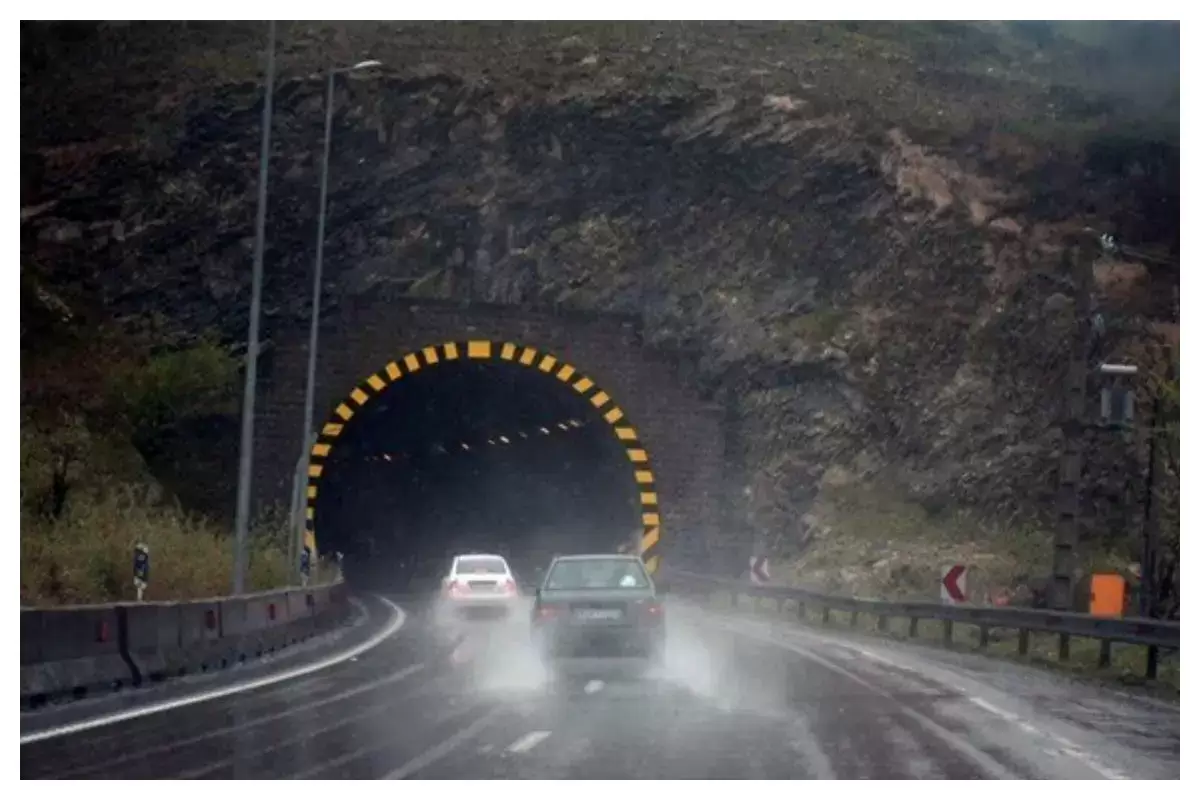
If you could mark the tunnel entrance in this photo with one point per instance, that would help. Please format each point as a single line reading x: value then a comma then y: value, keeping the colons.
x: 477, y: 447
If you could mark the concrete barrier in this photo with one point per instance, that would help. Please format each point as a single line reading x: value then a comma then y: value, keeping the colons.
x: 202, y: 647
x: 152, y: 639
x: 301, y: 603
x: 74, y: 651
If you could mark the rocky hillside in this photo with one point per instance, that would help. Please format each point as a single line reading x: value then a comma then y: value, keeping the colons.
x: 850, y: 233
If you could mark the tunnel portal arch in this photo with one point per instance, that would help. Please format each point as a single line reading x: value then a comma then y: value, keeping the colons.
x: 567, y: 378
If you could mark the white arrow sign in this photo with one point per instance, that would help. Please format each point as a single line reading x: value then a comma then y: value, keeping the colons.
x: 760, y: 572
x: 954, y: 584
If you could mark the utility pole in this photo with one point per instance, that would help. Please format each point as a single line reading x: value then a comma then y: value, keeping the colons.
x: 1150, y: 518
x: 308, y: 436
x: 246, y: 462
x: 1079, y: 257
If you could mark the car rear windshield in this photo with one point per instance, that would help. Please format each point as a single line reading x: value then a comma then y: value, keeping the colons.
x: 597, y: 573
x: 481, y: 565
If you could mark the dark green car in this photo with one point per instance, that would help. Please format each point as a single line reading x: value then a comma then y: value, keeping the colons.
x: 599, y: 606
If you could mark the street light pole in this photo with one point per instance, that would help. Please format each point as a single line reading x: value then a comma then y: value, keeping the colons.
x: 245, y: 465
x: 308, y: 436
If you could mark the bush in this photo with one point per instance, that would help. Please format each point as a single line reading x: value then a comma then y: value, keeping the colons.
x: 86, y: 554
x: 175, y: 385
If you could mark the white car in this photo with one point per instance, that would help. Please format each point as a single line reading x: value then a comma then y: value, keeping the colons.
x: 480, y: 583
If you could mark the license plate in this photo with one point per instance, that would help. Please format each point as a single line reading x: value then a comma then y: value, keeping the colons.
x: 597, y: 613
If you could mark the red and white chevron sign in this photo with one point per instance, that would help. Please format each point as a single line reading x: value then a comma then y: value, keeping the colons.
x: 760, y: 572
x: 954, y: 584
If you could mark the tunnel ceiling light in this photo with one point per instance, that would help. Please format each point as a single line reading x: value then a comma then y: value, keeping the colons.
x: 466, y: 446
x: 524, y: 435
x: 564, y: 427
x: 387, y: 457
x: 504, y: 439
x: 491, y: 441
x: 543, y: 430
x: 575, y: 423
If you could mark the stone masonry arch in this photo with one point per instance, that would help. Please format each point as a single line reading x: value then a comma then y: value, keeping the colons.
x: 362, y: 335
x: 571, y: 378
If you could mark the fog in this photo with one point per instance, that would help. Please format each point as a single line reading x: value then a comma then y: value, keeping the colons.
x: 472, y: 457
x: 500, y: 662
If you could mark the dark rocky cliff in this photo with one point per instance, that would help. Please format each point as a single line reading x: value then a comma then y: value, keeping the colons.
x: 852, y: 235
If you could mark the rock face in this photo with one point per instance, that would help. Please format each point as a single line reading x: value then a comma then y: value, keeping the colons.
x: 866, y: 304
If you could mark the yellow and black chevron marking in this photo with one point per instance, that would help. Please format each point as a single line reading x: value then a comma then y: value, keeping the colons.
x: 502, y: 351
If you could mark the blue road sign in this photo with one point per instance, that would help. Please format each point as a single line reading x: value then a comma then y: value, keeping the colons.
x: 141, y: 563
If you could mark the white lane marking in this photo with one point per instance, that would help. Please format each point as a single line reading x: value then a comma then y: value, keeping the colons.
x: 1070, y: 749
x: 307, y: 732
x: 985, y: 761
x: 1065, y: 746
x: 593, y: 686
x: 528, y: 741
x: 440, y: 751
x: 999, y: 712
x: 394, y: 625
x: 358, y: 752
x: 259, y: 721
x: 877, y: 658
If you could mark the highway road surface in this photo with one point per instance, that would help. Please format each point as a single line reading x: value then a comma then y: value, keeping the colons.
x: 737, y: 698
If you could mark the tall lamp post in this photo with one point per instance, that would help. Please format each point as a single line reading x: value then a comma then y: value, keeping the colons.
x: 308, y: 437
x: 246, y: 460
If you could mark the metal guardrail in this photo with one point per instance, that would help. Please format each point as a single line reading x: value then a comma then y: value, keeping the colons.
x: 1153, y: 634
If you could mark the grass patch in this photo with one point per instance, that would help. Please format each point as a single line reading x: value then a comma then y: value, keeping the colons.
x: 86, y: 554
x: 878, y: 543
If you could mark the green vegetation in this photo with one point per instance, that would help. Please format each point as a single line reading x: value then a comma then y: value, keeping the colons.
x: 881, y: 544
x: 85, y: 555
x: 819, y: 326
x: 95, y: 403
x: 174, y: 386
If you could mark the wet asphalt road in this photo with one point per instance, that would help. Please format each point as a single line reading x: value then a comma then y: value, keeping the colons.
x: 737, y: 699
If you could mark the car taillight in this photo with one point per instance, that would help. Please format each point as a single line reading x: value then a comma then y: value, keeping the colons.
x: 453, y: 588
x: 545, y: 613
x: 652, y: 610
x: 510, y: 587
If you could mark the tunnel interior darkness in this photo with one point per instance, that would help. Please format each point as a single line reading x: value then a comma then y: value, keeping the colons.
x: 466, y: 456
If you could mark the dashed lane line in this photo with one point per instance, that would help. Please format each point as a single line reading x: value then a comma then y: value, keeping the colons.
x: 445, y: 748
x: 256, y: 722
x: 528, y: 741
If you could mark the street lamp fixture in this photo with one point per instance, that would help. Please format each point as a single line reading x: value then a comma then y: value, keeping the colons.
x: 241, y: 525
x: 360, y: 65
x: 308, y: 439
x: 1116, y: 397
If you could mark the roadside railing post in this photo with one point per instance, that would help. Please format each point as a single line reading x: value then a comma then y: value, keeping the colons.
x: 1153, y: 634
